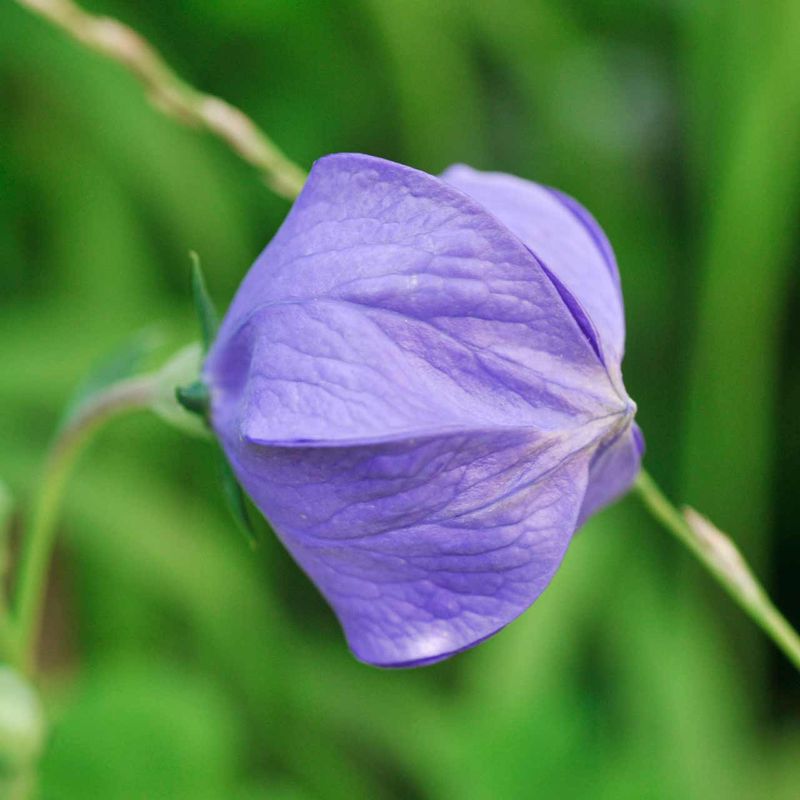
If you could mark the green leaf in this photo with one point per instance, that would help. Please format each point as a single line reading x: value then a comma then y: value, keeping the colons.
x: 206, y: 312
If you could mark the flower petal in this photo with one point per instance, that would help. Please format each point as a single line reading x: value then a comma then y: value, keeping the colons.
x: 416, y: 401
x: 423, y: 547
x: 613, y: 470
x: 564, y: 236
x: 390, y: 302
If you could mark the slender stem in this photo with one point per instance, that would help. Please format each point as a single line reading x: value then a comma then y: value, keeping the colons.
x: 173, y: 96
x: 723, y: 560
x: 8, y: 649
x: 8, y: 642
x: 37, y: 544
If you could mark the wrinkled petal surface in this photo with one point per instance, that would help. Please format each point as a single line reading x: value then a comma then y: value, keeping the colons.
x: 423, y: 404
x: 423, y: 546
x: 567, y: 239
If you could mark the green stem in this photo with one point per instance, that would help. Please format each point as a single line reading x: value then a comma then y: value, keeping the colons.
x: 8, y: 648
x: 720, y: 556
x: 37, y: 544
x: 6, y: 632
x: 7, y: 640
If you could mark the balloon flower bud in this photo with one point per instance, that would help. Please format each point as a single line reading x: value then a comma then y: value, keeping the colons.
x: 418, y: 383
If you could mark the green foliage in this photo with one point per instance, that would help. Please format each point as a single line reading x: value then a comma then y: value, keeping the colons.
x: 181, y: 664
x: 143, y: 731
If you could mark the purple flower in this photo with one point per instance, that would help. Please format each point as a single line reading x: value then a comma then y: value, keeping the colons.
x: 418, y: 383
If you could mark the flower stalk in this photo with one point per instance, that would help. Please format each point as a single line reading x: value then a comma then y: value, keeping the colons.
x: 22, y: 631
x: 8, y: 649
x: 6, y: 635
x: 172, y: 95
x: 720, y: 556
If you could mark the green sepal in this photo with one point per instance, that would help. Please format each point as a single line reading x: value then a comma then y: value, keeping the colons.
x: 194, y: 398
x: 204, y: 306
x: 180, y: 371
x: 236, y: 500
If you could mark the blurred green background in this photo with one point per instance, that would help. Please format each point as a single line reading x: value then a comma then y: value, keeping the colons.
x: 178, y: 664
